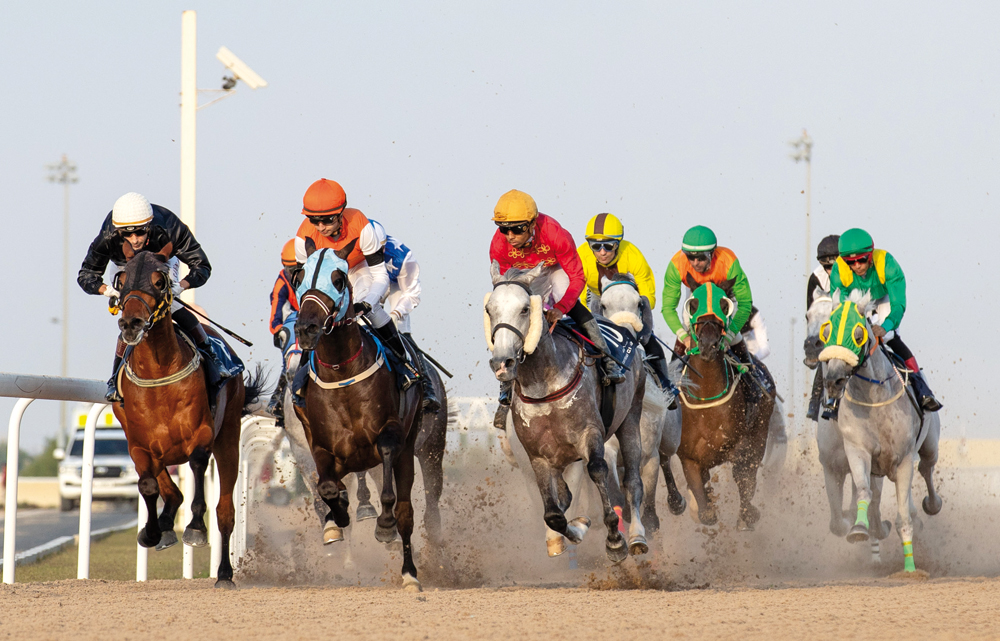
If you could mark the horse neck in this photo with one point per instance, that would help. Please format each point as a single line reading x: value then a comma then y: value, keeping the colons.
x: 159, y: 352
x: 539, y: 373
x: 878, y: 368
x: 340, y: 345
x: 714, y: 379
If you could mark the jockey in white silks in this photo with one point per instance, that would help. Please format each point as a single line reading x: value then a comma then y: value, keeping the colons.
x: 403, y: 295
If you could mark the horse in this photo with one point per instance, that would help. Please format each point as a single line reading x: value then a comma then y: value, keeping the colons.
x: 881, y: 428
x: 166, y: 414
x: 660, y: 427
x: 556, y: 408
x: 355, y: 416
x: 830, y: 445
x: 719, y: 425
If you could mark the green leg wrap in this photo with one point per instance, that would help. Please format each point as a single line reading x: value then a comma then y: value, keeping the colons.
x: 908, y: 556
x: 862, y: 514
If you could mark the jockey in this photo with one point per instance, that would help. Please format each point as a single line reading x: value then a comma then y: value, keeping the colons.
x: 331, y: 224
x: 819, y: 285
x: 284, y: 313
x: 606, y: 254
x: 523, y: 239
x: 755, y: 335
x: 887, y: 286
x: 149, y: 227
x: 701, y: 261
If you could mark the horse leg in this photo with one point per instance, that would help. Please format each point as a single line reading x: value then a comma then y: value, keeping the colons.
x: 331, y: 489
x: 403, y: 474
x: 904, y: 481
x: 365, y: 509
x: 745, y: 475
x: 299, y: 445
x: 928, y: 459
x: 196, y: 534
x: 703, y: 509
x: 650, y: 473
x: 675, y: 500
x: 390, y: 444
x: 860, y: 461
x: 833, y: 479
x: 618, y: 501
x: 172, y: 500
x: 431, y: 457
x: 630, y: 442
x: 227, y: 460
x: 149, y: 490
x: 597, y: 467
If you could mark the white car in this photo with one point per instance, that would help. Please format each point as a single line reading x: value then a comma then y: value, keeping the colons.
x: 114, y: 474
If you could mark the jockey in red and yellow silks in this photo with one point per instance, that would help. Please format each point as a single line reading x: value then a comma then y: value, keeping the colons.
x: 523, y: 239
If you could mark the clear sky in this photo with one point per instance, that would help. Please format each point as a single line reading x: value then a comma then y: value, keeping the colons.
x: 666, y: 114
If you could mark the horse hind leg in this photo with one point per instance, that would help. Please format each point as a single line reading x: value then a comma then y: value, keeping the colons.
x: 676, y: 502
x: 630, y: 440
x: 196, y: 534
x: 403, y: 473
x: 390, y: 444
x: 597, y: 467
x: 227, y: 457
x: 365, y: 509
x: 928, y: 459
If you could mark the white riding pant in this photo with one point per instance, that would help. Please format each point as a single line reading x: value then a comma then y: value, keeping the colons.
x: 395, y: 294
x: 551, y: 286
x: 361, y: 282
x: 756, y: 337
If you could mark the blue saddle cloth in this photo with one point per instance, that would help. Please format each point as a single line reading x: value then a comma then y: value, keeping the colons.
x: 621, y: 343
x: 231, y: 363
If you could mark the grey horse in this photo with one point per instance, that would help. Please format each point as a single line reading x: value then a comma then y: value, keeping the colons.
x: 555, y: 408
x: 881, y: 429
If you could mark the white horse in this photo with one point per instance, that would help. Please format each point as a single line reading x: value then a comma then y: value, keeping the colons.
x: 881, y: 429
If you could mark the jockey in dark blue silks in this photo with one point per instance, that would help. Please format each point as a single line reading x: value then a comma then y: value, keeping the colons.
x: 149, y: 227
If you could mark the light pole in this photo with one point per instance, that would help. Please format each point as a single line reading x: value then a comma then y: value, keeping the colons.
x: 64, y: 173
x: 803, y: 151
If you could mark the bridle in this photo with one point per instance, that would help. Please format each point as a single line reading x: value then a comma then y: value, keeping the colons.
x: 155, y: 314
x: 329, y: 323
x: 493, y: 332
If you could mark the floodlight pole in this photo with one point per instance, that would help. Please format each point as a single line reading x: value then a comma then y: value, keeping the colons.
x: 189, y: 108
x: 64, y: 173
x: 803, y: 151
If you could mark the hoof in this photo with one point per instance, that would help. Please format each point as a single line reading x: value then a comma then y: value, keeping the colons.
x: 840, y: 527
x: 365, y: 512
x: 708, y: 516
x: 743, y: 526
x: 385, y: 534
x: 556, y: 546
x: 858, y: 534
x: 167, y: 540
x: 395, y: 545
x: 225, y: 584
x: 637, y: 545
x: 750, y: 516
x: 194, y: 538
x: 619, y: 553
x: 676, y: 505
x: 884, y: 532
x: 145, y: 540
x: 332, y: 533
x: 410, y: 584
x: 931, y: 507
x: 577, y: 528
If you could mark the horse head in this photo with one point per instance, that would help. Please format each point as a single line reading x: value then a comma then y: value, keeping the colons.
x: 513, y: 319
x: 817, y: 314
x: 621, y: 302
x: 145, y: 293
x: 847, y: 341
x: 708, y: 313
x: 325, y: 295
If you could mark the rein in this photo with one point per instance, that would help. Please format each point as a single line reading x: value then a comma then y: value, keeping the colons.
x: 563, y: 391
x: 713, y: 401
x: 374, y: 367
x: 517, y: 332
x: 193, y: 365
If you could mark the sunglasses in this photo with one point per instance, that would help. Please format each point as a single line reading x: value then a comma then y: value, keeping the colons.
x: 827, y: 262
x: 125, y: 232
x: 517, y: 230
x: 323, y: 220
x: 604, y: 246
x: 850, y: 260
x: 699, y: 257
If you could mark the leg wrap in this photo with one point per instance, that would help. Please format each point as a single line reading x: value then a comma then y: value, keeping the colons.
x: 862, y: 514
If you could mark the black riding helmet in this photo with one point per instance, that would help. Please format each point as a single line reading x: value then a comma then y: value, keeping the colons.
x: 828, y: 248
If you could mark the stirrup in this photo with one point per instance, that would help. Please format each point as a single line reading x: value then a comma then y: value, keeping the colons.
x: 930, y: 404
x: 500, y: 418
x: 613, y: 373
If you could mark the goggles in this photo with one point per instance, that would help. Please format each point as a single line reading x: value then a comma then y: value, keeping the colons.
x: 133, y: 230
x: 699, y: 256
x: 860, y: 258
x: 513, y: 229
x: 604, y: 245
x: 324, y: 220
x: 827, y: 261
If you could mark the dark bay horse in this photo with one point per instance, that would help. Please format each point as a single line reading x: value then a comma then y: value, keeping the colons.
x: 556, y: 409
x: 165, y: 412
x: 718, y: 425
x: 355, y: 417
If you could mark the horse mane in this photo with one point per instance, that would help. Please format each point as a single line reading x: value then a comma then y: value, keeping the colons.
x: 862, y: 299
x: 677, y: 376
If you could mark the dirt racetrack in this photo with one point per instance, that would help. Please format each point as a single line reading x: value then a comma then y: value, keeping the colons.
x: 934, y: 609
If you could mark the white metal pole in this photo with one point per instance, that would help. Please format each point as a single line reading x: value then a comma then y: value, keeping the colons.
x: 189, y: 110
x: 803, y: 404
x: 187, y: 487
x: 214, y: 536
x: 794, y: 405
x: 87, y: 491
x: 64, y: 365
x: 10, y: 507
x: 141, y: 553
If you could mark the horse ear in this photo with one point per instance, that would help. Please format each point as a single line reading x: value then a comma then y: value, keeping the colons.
x: 535, y: 272
x: 691, y: 306
x: 726, y: 306
x: 337, y: 278
x: 495, y: 272
x: 167, y: 250
x: 346, y: 250
x: 310, y: 247
x: 127, y: 250
x: 605, y: 281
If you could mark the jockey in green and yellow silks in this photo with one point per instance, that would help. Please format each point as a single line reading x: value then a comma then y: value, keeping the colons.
x: 861, y: 267
x: 607, y: 254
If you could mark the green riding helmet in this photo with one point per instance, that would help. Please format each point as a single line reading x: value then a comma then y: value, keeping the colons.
x: 855, y: 241
x: 699, y: 239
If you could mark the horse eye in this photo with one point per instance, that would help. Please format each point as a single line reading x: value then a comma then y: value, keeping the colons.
x: 524, y: 310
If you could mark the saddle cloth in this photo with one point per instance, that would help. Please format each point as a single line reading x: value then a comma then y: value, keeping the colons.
x: 621, y: 344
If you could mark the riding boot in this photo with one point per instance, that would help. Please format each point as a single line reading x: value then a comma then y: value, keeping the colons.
x: 659, y: 366
x: 394, y: 343
x: 300, y: 379
x: 612, y: 370
x: 815, y: 396
x: 500, y: 418
x: 431, y: 403
x: 275, y: 406
x: 757, y: 369
x: 112, y: 395
x: 924, y: 393
x: 217, y: 372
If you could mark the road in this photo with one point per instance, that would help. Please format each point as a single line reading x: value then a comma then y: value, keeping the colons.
x: 36, y: 527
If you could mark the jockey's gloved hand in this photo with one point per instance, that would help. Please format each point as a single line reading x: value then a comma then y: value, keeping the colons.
x: 878, y: 331
x: 176, y: 289
x: 111, y: 292
x: 281, y: 337
x: 361, y: 308
x: 553, y: 315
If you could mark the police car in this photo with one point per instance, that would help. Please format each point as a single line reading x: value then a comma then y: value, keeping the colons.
x: 114, y: 474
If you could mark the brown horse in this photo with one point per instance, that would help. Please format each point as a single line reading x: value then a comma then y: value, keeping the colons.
x: 355, y: 417
x: 718, y: 426
x: 165, y: 412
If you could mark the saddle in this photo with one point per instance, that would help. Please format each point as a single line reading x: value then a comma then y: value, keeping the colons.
x: 911, y: 382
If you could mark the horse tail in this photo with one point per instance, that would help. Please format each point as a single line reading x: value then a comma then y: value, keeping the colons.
x: 255, y: 385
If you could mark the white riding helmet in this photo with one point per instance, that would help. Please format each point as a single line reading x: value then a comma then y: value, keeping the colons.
x: 131, y: 210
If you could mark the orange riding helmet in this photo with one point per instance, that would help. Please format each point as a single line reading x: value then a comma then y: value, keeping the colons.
x: 323, y: 198
x: 288, y: 254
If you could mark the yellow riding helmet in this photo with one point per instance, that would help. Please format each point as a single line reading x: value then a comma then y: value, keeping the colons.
x: 515, y: 207
x: 605, y: 227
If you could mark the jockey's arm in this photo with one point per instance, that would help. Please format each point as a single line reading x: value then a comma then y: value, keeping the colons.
x: 279, y: 296
x: 91, y: 275
x: 742, y: 294
x: 895, y: 284
x: 569, y: 260
x: 671, y: 298
x: 408, y: 282
x: 189, y: 252
x: 372, y: 242
x: 590, y: 275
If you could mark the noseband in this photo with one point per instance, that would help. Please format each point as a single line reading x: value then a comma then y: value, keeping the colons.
x: 155, y: 314
x: 493, y: 333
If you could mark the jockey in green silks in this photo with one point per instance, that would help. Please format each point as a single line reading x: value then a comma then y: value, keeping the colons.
x: 886, y: 285
x: 701, y: 261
